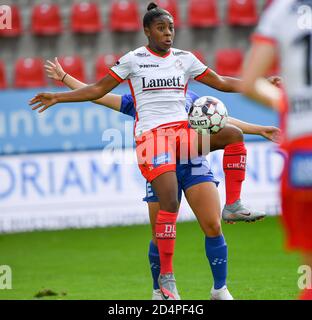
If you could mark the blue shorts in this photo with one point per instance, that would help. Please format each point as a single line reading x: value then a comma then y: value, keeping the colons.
x: 195, y: 172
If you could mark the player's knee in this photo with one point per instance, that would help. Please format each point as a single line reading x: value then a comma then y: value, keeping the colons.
x: 170, y: 203
x: 213, y: 229
x: 236, y: 135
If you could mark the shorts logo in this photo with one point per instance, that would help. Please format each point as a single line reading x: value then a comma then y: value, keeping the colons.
x: 160, y: 159
x: 301, y: 170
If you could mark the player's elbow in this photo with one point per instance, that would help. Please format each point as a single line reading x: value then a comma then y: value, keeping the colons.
x: 97, y: 92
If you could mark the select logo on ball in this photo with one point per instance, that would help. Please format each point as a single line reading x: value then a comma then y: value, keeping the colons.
x: 207, y: 114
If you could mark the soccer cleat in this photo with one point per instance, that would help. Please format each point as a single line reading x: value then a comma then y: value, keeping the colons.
x: 156, y: 294
x: 168, y: 289
x: 238, y: 212
x: 221, y: 294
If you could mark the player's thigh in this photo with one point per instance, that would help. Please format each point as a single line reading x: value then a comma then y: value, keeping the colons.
x: 166, y: 188
x: 228, y: 135
x: 204, y: 200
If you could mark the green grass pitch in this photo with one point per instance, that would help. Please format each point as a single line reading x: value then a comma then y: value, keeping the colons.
x: 112, y: 263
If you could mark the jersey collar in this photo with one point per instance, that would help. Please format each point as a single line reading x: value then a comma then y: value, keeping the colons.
x: 156, y: 54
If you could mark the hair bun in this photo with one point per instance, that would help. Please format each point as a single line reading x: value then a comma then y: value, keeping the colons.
x: 152, y: 6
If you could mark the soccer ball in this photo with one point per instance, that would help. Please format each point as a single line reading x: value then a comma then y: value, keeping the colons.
x: 207, y: 115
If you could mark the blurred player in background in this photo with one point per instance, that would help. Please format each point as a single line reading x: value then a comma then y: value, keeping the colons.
x: 161, y: 128
x: 192, y: 185
x: 285, y: 33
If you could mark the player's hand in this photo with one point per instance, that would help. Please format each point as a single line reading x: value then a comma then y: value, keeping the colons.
x: 272, y: 133
x: 54, y: 70
x: 43, y: 101
x: 276, y: 81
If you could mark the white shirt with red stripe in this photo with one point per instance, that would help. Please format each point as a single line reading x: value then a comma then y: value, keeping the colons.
x: 285, y: 26
x: 158, y: 84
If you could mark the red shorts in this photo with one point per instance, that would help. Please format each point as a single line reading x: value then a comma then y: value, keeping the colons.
x: 159, y: 149
x: 296, y: 193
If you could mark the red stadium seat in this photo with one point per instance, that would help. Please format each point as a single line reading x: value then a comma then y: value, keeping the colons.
x: 74, y: 65
x: 86, y: 18
x: 203, y: 13
x: 46, y: 19
x: 16, y: 19
x: 229, y: 62
x: 200, y: 56
x: 173, y: 8
x: 242, y: 12
x: 124, y: 16
x: 29, y: 73
x: 3, y: 83
x: 103, y: 64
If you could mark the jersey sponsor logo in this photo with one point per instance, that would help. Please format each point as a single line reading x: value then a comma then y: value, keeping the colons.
x: 142, y: 54
x: 163, y: 84
x: 301, y: 170
x: 149, y: 65
x: 179, y: 53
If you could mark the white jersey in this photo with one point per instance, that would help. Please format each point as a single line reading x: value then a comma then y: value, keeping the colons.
x: 288, y: 24
x: 158, y: 84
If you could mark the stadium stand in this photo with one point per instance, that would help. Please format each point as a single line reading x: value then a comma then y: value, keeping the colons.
x: 29, y: 73
x: 242, y: 13
x: 46, y: 19
x: 125, y: 16
x: 202, y: 14
x: 79, y: 29
x: 86, y: 18
x: 229, y: 62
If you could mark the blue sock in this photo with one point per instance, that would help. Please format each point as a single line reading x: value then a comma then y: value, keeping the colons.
x: 154, y: 260
x: 216, y: 252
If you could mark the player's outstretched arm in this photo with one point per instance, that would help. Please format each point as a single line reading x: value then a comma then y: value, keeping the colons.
x: 269, y: 132
x: 42, y: 101
x: 221, y: 83
x: 230, y: 84
x: 55, y: 71
x: 257, y: 64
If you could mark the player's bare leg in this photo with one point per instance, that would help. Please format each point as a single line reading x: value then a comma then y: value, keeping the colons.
x: 204, y: 200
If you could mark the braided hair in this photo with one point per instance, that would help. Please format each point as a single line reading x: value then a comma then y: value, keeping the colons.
x: 153, y: 12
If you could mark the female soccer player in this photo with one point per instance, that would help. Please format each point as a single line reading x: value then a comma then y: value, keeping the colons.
x: 185, y: 179
x: 282, y: 31
x: 158, y: 76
